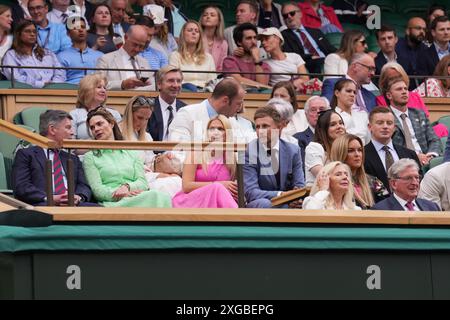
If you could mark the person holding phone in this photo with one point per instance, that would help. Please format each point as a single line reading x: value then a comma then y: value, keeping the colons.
x: 101, y: 34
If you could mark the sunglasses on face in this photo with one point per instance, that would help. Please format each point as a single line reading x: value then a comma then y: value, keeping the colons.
x: 363, y: 42
x: 289, y: 14
x: 143, y: 101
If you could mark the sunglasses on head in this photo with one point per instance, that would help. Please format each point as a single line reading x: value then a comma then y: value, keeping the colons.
x: 95, y: 110
x: 289, y: 14
x: 143, y: 101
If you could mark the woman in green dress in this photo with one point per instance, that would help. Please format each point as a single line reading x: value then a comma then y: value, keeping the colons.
x: 117, y: 177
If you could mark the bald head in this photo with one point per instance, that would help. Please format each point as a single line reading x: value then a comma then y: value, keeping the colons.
x: 135, y: 40
x: 362, y: 68
x: 415, y: 30
x: 227, y: 97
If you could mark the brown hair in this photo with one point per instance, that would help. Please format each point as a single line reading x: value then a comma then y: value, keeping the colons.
x: 199, y: 55
x: 348, y: 41
x: 102, y: 112
x: 291, y: 91
x: 321, y: 130
x: 267, y: 112
x: 338, y: 87
x: 17, y: 44
x: 441, y: 70
x: 378, y: 110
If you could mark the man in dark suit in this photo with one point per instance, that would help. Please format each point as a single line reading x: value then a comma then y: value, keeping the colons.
x: 169, y: 79
x: 311, y: 44
x: 381, y: 152
x: 118, y: 11
x: 28, y: 174
x: 313, y: 106
x: 404, y: 178
x: 413, y: 127
x: 429, y: 57
x: 360, y: 70
x: 272, y: 165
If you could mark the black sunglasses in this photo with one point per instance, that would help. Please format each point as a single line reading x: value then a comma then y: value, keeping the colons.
x: 143, y: 101
x: 291, y: 13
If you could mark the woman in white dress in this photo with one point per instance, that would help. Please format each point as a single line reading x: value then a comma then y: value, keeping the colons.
x: 329, y: 127
x: 332, y: 190
x: 343, y: 99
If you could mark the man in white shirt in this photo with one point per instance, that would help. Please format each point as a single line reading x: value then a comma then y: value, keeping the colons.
x: 59, y: 13
x: 128, y: 57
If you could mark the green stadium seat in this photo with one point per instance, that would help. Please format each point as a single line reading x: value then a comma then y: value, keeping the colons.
x: 445, y: 120
x: 67, y: 86
x: 409, y: 6
x: 3, y: 177
x: 435, y: 162
x: 30, y: 116
x: 350, y: 26
x: 372, y: 43
x: 385, y: 5
x: 334, y: 38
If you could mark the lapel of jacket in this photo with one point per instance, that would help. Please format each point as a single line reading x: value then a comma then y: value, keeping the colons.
x: 419, y: 131
x: 179, y: 104
x: 394, y: 204
x: 297, y: 42
x: 374, y: 158
x: 118, y: 60
x: 159, y: 119
x: 40, y: 157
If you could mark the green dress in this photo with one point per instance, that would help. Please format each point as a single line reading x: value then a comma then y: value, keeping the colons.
x: 107, y: 170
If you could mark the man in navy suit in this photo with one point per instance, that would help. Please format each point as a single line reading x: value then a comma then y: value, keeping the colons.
x: 272, y: 165
x: 313, y: 106
x: 404, y: 179
x: 169, y: 79
x: 429, y: 57
x: 309, y: 43
x: 360, y: 70
x: 28, y: 174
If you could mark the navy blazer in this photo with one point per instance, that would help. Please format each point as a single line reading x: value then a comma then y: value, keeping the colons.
x: 374, y: 166
x: 328, y: 92
x: 155, y: 125
x: 292, y: 43
x: 404, y: 61
x: 403, y: 49
x: 260, y: 180
x: 28, y: 175
x: 428, y: 59
x: 304, y: 138
x: 392, y: 204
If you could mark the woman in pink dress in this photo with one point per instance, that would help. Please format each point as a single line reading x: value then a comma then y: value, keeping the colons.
x: 208, y: 176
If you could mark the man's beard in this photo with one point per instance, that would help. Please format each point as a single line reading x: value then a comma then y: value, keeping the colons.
x: 415, y: 39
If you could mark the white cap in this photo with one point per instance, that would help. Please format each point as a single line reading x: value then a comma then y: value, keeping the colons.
x: 271, y: 32
x: 156, y: 12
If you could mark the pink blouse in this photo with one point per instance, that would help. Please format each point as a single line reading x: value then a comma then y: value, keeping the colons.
x: 219, y: 51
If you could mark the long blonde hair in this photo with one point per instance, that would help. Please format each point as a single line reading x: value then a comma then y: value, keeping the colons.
x: 126, y: 125
x: 339, y: 152
x: 218, y: 33
x: 228, y: 156
x: 199, y: 55
x: 348, y: 197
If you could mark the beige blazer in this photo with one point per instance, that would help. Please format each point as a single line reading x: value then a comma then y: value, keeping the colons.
x: 435, y: 186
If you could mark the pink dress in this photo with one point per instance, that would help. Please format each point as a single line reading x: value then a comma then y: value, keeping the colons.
x: 214, y: 195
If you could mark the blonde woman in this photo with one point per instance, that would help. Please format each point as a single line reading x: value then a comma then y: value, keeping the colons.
x: 212, y: 23
x: 332, y: 190
x: 209, y: 176
x: 91, y: 94
x: 162, y: 172
x: 6, y: 38
x: 368, y: 189
x: 191, y: 56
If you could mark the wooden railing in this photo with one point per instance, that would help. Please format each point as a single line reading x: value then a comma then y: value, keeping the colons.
x: 43, y: 142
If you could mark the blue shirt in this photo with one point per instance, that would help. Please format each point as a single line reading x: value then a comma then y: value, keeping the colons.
x: 156, y: 59
x: 441, y: 53
x: 178, y: 21
x: 53, y: 37
x: 72, y: 57
x: 34, y: 77
x: 311, y: 39
x: 211, y: 111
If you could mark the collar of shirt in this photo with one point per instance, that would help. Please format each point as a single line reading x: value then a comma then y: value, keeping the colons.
x: 276, y: 147
x: 404, y: 202
x: 211, y: 111
x: 60, y: 13
x: 164, y: 105
x: 379, y: 146
x: 48, y: 27
x: 442, y: 51
x: 124, y: 54
x: 312, y: 129
x: 389, y: 60
x: 398, y: 113
x: 85, y: 51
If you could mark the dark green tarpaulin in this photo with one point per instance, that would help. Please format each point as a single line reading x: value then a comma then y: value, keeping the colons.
x: 70, y: 237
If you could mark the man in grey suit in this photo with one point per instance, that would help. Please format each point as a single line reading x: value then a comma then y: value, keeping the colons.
x: 128, y: 57
x: 413, y: 129
x: 404, y: 180
x: 435, y: 186
x: 272, y: 165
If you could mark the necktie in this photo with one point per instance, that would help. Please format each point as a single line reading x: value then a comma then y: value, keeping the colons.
x: 307, y: 44
x: 58, y: 179
x: 169, y: 121
x: 275, y: 165
x: 389, y: 160
x: 64, y: 17
x: 135, y: 67
x: 408, y: 136
x: 410, y: 206
x: 360, y: 101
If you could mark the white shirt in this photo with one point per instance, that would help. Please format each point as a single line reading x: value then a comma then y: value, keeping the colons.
x: 55, y: 16
x: 165, y: 114
x: 404, y: 202
x: 398, y: 113
x: 356, y: 123
x: 275, y: 151
x: 119, y: 30
x: 314, y: 155
x: 288, y: 65
x: 382, y: 154
x: 127, y: 64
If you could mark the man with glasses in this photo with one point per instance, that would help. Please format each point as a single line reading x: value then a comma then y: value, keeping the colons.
x: 412, y: 44
x: 309, y: 43
x: 404, y: 180
x: 360, y: 70
x: 79, y: 55
x: 429, y: 58
x: 51, y: 36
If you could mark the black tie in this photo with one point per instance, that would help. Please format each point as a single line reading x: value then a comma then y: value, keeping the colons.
x: 389, y: 160
x: 170, y: 119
